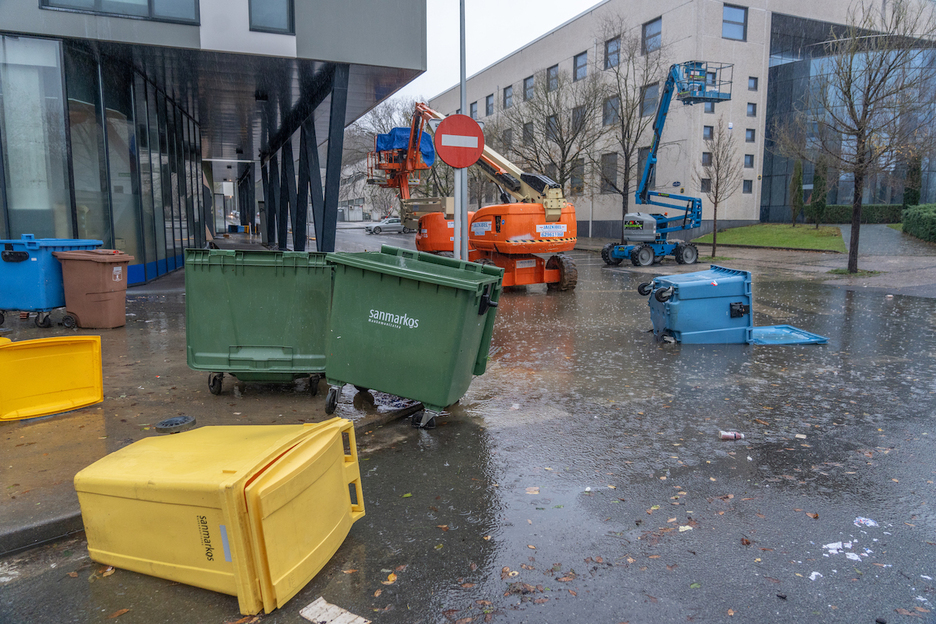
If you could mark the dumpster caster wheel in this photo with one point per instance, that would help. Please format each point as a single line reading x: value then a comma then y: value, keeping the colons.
x: 645, y: 289
x: 331, y: 400
x: 314, y: 384
x: 663, y: 294
x: 361, y: 388
x: 69, y: 321
x: 43, y: 320
x: 422, y: 420
x: 214, y: 383
x: 1, y: 318
x: 175, y: 425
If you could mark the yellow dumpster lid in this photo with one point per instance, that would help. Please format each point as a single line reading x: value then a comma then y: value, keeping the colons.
x: 300, y: 511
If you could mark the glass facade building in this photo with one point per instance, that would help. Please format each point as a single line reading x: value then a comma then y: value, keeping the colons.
x: 90, y: 148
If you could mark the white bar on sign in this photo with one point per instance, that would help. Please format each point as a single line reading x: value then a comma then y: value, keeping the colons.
x: 457, y: 140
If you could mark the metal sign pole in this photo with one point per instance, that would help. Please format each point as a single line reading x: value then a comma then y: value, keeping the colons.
x: 461, y: 186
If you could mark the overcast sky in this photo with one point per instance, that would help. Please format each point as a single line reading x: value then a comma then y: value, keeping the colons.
x: 493, y: 29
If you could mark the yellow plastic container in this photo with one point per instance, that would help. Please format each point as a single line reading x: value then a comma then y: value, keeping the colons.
x: 49, y: 376
x: 250, y: 511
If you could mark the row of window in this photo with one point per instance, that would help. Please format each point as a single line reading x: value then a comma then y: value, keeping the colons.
x: 748, y: 160
x: 274, y: 16
x: 705, y: 186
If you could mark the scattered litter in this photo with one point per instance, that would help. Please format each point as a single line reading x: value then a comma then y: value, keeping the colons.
x: 588, y: 489
x: 800, y: 436
x: 730, y: 435
x: 853, y: 556
x: 515, y: 406
x: 836, y: 547
x: 322, y: 612
x: 888, y: 296
x: 860, y: 521
x: 685, y: 528
x: 928, y: 578
x: 815, y: 575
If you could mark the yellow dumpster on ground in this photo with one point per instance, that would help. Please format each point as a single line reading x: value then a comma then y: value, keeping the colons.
x: 250, y: 511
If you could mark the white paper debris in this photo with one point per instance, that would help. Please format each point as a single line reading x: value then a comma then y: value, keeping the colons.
x: 815, y: 575
x: 322, y: 612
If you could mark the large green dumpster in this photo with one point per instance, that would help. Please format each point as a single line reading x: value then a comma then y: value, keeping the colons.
x: 410, y: 324
x: 257, y: 315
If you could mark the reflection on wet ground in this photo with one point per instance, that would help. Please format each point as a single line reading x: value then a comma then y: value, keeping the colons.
x: 582, y: 478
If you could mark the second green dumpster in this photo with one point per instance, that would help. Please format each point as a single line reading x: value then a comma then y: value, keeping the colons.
x: 410, y: 324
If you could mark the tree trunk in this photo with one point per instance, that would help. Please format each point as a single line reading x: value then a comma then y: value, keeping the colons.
x: 855, y: 224
x: 714, y: 228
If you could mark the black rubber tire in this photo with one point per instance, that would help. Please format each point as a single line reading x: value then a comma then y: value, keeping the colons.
x: 331, y: 400
x: 69, y: 322
x: 215, y: 383
x: 446, y: 254
x: 175, y: 425
x: 686, y: 254
x: 43, y: 321
x: 314, y: 384
x: 1, y: 318
x: 645, y: 289
x: 663, y: 294
x: 377, y: 230
x: 608, y: 258
x: 642, y: 256
x: 568, y: 274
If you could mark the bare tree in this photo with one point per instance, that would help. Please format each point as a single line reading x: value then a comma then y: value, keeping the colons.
x: 554, y: 130
x: 631, y: 63
x: 871, y: 97
x: 720, y: 174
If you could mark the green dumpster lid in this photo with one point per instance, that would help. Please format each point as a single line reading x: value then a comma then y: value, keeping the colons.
x: 399, y: 266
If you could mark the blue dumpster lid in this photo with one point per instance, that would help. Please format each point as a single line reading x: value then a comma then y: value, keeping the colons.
x: 785, y: 335
x: 31, y: 242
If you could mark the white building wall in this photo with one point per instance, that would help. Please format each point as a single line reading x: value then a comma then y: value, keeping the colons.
x: 692, y: 30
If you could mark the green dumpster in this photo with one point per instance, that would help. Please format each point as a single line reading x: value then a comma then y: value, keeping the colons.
x: 408, y: 323
x: 256, y: 315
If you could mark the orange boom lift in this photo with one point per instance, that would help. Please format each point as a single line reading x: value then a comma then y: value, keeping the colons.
x: 513, y: 235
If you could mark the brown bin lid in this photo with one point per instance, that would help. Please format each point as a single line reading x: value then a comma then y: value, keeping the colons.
x: 110, y: 256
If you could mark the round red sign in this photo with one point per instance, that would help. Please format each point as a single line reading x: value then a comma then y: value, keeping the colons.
x: 459, y: 141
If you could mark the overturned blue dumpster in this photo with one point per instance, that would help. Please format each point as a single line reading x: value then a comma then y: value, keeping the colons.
x: 713, y: 307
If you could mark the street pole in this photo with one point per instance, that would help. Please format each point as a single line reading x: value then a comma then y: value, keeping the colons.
x: 461, y: 185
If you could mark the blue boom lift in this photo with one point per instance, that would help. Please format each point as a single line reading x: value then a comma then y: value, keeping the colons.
x: 646, y: 233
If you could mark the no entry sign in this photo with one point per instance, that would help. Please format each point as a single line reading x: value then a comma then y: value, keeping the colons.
x: 459, y: 141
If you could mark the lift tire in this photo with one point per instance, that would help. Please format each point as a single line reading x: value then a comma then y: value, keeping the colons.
x: 568, y: 274
x: 609, y: 259
x: 663, y: 294
x: 215, y: 382
x: 645, y: 289
x: 643, y: 256
x: 331, y: 400
x: 686, y: 254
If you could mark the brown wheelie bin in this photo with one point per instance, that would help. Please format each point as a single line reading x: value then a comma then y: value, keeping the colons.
x: 95, y: 287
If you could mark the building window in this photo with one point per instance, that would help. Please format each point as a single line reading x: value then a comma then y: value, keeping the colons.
x: 185, y: 11
x: 752, y: 83
x: 528, y: 88
x: 652, y: 35
x: 749, y: 161
x: 609, y: 173
x: 528, y: 133
x: 708, y: 132
x: 508, y: 97
x: 706, y: 159
x: 705, y: 185
x: 747, y: 187
x: 579, y: 66
x: 577, y: 176
x: 708, y: 107
x: 611, y: 111
x: 642, y: 155
x: 749, y: 136
x: 734, y: 23
x: 489, y: 105
x: 552, y: 78
x: 552, y: 128
x: 612, y: 52
x: 473, y: 108
x: 274, y: 16
x: 751, y: 109
x: 648, y: 99
x: 578, y: 119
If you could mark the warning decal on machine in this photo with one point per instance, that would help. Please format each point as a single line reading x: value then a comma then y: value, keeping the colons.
x: 551, y: 230
x: 479, y: 228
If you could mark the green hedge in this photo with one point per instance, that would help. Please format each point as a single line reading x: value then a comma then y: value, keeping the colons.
x: 870, y: 213
x: 920, y: 221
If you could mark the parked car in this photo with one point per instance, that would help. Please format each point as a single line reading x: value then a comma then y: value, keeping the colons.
x: 390, y: 224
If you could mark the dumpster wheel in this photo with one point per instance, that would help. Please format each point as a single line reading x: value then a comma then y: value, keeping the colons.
x: 331, y: 400
x: 69, y: 321
x: 423, y: 419
x: 1, y: 318
x: 645, y: 289
x: 43, y: 320
x: 568, y: 274
x: 608, y: 258
x: 215, y: 381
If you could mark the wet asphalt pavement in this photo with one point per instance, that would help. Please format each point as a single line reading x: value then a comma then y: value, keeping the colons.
x: 582, y: 478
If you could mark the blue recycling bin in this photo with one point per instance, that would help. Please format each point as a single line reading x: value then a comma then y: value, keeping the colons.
x: 30, y: 276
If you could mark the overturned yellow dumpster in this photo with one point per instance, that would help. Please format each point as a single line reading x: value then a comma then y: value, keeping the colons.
x: 250, y: 511
x: 49, y: 376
